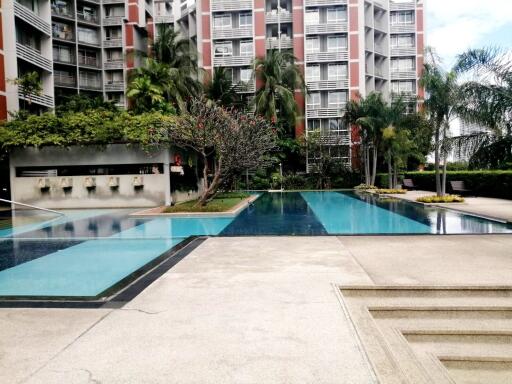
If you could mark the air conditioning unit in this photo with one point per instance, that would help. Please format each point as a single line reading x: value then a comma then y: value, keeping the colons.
x: 66, y: 182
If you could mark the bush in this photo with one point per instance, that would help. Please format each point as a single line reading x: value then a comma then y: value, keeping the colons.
x: 481, y: 183
x: 295, y: 181
x: 441, y: 199
x: 364, y: 187
x: 390, y: 191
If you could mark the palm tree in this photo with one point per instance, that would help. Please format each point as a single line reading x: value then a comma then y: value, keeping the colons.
x: 146, y: 95
x: 220, y: 89
x: 280, y: 76
x: 29, y: 85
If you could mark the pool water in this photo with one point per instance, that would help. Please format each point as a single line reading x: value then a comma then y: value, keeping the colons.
x: 86, y: 252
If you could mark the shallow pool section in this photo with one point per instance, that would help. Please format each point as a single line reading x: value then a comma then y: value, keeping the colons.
x: 85, y: 253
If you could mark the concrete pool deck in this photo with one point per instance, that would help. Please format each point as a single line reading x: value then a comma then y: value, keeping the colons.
x: 245, y: 310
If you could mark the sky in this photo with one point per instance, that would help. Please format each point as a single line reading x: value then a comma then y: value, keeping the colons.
x: 455, y: 25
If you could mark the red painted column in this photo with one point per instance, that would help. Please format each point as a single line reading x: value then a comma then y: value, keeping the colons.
x: 353, y: 70
x: 420, y: 48
x: 206, y: 41
x: 298, y: 51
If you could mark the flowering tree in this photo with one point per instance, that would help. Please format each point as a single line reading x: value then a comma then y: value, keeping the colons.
x: 228, y: 142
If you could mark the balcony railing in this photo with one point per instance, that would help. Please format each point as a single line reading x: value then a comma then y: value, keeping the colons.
x: 33, y: 56
x: 317, y: 112
x: 402, y: 6
x: 231, y: 5
x: 403, y: 28
x: 88, y: 61
x: 88, y: 41
x: 327, y: 28
x: 110, y: 42
x: 31, y: 18
x: 163, y: 19
x: 336, y: 138
x: 113, y: 20
x: 88, y: 18
x: 327, y: 56
x: 114, y: 86
x: 63, y: 35
x: 232, y: 61
x: 63, y: 12
x: 245, y: 87
x: 113, y: 64
x: 403, y: 51
x: 64, y: 80
x: 232, y: 33
x: 403, y: 75
x: 319, y: 85
x: 113, y: 1
x: 276, y: 43
x: 44, y: 100
x: 274, y: 17
x: 380, y: 49
x: 90, y: 83
x: 320, y: 3
x: 406, y: 96
x: 64, y: 59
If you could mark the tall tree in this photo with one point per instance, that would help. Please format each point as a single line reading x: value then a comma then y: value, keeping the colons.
x: 220, y: 89
x: 146, y: 94
x: 30, y: 84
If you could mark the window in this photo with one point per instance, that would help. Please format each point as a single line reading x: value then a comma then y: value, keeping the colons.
x: 87, y: 35
x: 402, y: 86
x: 336, y: 43
x: 114, y: 11
x: 312, y: 44
x: 402, y: 17
x: 336, y: 15
x: 87, y: 57
x: 402, y: 64
x: 337, y: 72
x: 245, y: 19
x: 222, y: 21
x: 33, y: 5
x: 114, y: 77
x: 336, y: 127
x: 313, y: 125
x: 402, y: 41
x: 245, y: 75
x: 313, y: 100
x: 246, y: 48
x: 114, y: 55
x: 312, y: 16
x: 337, y: 99
x: 224, y: 48
x: 313, y: 72
x: 62, y: 54
x: 113, y: 33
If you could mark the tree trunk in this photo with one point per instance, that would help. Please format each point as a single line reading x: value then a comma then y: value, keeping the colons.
x: 436, y: 161
x: 395, y: 174
x: 390, y: 172
x: 443, y: 187
x: 374, y: 166
x: 367, y: 165
x: 212, y: 188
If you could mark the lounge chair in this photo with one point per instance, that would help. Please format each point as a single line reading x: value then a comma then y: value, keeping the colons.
x: 408, y: 184
x: 459, y: 187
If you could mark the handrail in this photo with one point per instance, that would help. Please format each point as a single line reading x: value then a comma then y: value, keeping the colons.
x: 33, y: 206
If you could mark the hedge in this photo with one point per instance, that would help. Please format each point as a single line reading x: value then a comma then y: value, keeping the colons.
x: 482, y: 183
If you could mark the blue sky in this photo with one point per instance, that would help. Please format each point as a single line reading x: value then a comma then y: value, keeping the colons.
x: 455, y: 25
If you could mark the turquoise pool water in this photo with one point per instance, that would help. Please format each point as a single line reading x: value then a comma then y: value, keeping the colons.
x: 86, y: 252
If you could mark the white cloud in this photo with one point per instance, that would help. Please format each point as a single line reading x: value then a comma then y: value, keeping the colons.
x: 455, y: 25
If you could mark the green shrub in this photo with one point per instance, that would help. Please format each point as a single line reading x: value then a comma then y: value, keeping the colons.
x: 441, y: 199
x: 390, y: 191
x: 482, y: 183
x: 364, y: 187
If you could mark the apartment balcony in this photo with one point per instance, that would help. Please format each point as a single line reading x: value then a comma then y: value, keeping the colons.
x: 188, y: 10
x: 403, y: 75
x: 91, y: 62
x: 380, y: 4
x: 274, y: 17
x: 380, y: 50
x: 321, y: 85
x: 93, y: 84
x: 113, y: 20
x: 317, y: 29
x: 113, y: 1
x: 164, y: 19
x: 246, y: 87
x: 320, y: 57
x: 87, y: 18
x: 322, y: 3
x: 64, y: 81
x: 149, y: 8
x: 403, y: 28
x: 405, y: 96
x: 276, y: 43
x: 319, y: 113
x: 113, y: 64
x: 231, y: 5
x: 113, y: 42
x: 66, y: 36
x: 63, y: 13
x: 114, y: 86
x: 403, y: 51
x: 94, y: 43
x: 402, y: 6
x: 33, y: 56
x: 44, y: 100
x: 232, y: 33
x: 31, y: 18
x: 232, y: 61
x: 342, y: 138
x: 64, y: 59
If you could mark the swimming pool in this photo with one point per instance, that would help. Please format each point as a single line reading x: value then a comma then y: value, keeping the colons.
x: 86, y: 252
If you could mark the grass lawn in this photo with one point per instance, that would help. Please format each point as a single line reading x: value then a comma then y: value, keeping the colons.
x: 221, y: 203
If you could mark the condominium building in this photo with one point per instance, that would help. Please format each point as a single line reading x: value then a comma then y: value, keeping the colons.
x: 76, y: 46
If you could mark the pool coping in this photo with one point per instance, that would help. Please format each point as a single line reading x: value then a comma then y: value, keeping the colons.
x: 118, y: 294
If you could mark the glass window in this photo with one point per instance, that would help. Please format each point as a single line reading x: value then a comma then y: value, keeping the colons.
x: 62, y: 31
x: 336, y: 15
x: 245, y: 19
x: 313, y: 100
x: 402, y: 17
x: 336, y: 43
x: 224, y: 48
x: 246, y: 48
x: 337, y: 99
x: 312, y: 44
x: 312, y: 16
x: 313, y: 125
x: 87, y: 35
x: 402, y: 86
x: 222, y: 21
x: 336, y: 126
x: 337, y: 72
x: 245, y: 75
x: 403, y: 64
x: 402, y: 40
x: 62, y: 54
x: 313, y: 73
